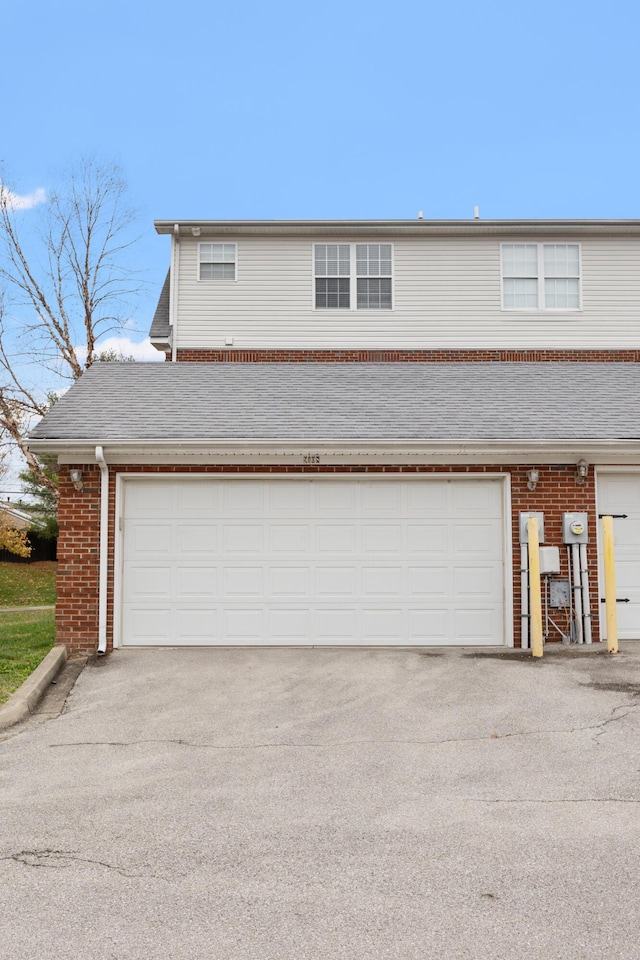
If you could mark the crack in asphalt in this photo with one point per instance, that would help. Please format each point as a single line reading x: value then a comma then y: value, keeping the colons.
x: 348, y: 743
x: 51, y: 859
x: 558, y: 800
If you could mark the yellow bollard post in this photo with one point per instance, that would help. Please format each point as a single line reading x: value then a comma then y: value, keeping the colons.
x: 610, y: 584
x: 535, y: 592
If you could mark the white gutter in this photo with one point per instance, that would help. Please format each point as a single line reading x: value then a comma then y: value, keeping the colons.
x: 173, y: 290
x: 104, y: 550
x: 238, y: 450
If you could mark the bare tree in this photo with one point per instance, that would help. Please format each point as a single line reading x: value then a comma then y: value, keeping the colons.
x: 63, y: 288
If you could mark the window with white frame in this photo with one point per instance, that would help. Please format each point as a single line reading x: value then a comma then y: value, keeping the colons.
x: 217, y: 261
x: 353, y: 276
x: 541, y: 276
x: 373, y: 273
x: 333, y: 276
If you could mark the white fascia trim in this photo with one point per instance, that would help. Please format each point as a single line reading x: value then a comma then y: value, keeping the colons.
x: 343, y: 451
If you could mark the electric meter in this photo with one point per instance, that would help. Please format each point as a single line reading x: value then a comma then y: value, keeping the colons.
x: 574, y: 528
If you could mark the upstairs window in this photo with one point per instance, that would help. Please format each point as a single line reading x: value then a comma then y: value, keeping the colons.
x: 333, y: 272
x: 541, y: 276
x: 217, y: 261
x: 373, y: 269
x: 353, y: 276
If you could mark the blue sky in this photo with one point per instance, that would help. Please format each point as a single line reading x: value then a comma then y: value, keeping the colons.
x: 340, y: 109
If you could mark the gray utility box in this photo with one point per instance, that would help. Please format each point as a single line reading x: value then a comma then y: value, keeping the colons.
x: 524, y: 534
x: 574, y: 528
x: 559, y: 596
x: 549, y: 561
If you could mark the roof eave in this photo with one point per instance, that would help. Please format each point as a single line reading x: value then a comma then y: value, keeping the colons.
x: 328, y: 451
x: 395, y: 227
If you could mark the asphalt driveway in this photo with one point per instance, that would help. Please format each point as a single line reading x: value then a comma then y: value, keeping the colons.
x: 309, y: 804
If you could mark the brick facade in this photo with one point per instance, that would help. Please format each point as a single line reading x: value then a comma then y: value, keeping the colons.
x: 408, y: 356
x: 78, y: 546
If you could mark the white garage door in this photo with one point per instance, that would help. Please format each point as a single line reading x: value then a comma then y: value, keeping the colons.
x: 620, y: 493
x: 312, y: 561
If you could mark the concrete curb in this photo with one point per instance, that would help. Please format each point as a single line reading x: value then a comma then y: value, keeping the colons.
x: 23, y: 701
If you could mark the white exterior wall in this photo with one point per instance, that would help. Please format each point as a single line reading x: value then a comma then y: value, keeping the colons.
x: 446, y: 295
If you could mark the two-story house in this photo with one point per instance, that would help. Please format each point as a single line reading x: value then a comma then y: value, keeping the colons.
x: 352, y: 418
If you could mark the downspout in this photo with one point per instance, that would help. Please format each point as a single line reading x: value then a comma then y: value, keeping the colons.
x: 173, y: 291
x: 104, y: 551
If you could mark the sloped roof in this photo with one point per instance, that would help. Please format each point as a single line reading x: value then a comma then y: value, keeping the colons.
x: 344, y: 401
x: 160, y: 326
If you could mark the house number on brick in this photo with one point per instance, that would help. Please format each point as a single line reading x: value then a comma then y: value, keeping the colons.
x: 311, y: 458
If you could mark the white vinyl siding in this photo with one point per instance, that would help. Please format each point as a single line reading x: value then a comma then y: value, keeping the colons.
x: 446, y: 295
x: 541, y: 276
x: 326, y: 561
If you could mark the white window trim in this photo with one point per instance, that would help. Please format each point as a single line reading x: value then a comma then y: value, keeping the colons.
x: 229, y: 243
x: 541, y: 278
x: 353, y: 278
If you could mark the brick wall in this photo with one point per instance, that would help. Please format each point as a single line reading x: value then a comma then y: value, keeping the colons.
x: 78, y: 561
x: 78, y: 546
x: 410, y: 356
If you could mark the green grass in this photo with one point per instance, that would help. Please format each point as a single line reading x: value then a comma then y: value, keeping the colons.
x: 28, y: 584
x: 25, y: 639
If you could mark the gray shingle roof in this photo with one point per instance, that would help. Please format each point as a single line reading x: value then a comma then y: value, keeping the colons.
x: 421, y: 401
x: 160, y: 326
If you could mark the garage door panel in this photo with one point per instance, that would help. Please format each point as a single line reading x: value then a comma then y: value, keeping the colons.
x: 193, y: 498
x: 149, y: 538
x: 477, y: 581
x: 430, y: 625
x: 382, y: 538
x: 200, y: 581
x: 151, y: 624
x: 290, y: 538
x: 428, y: 581
x: 289, y: 624
x: 430, y: 499
x: 243, y: 581
x: 242, y: 538
x: 383, y: 581
x: 337, y: 496
x: 196, y: 625
x: 336, y: 581
x: 477, y: 539
x: 336, y: 538
x: 362, y: 561
x: 147, y: 581
x: 475, y: 624
x: 337, y: 625
x: 290, y: 581
x: 428, y: 539
x: 386, y: 498
x: 383, y: 624
x: 244, y: 624
x: 198, y: 538
x: 244, y: 498
x: 474, y: 499
x: 154, y: 500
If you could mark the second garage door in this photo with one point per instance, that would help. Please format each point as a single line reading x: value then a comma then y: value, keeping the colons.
x: 312, y: 561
